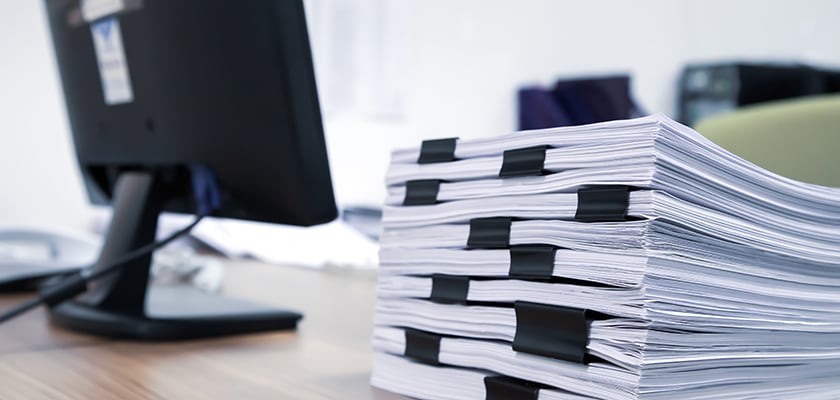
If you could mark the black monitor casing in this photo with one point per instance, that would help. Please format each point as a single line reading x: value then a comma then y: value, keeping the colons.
x: 218, y: 86
x: 228, y: 84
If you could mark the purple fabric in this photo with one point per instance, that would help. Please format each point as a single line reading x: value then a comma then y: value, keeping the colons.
x: 576, y: 102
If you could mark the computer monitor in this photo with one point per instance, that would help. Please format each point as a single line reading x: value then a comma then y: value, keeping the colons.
x: 159, y: 89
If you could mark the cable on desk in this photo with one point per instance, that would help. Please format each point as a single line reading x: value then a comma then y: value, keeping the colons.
x: 208, y: 198
x: 76, y: 284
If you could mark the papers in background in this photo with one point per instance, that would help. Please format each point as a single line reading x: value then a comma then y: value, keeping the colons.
x: 332, y: 244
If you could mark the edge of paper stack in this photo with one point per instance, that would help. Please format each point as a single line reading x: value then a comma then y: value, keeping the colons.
x: 630, y: 259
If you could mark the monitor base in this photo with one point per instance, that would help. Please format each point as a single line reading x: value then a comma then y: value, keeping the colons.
x: 175, y: 313
x: 122, y: 304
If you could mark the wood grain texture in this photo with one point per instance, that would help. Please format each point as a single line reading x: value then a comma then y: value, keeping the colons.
x: 30, y: 332
x: 329, y: 357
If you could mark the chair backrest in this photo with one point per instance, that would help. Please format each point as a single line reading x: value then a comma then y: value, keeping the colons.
x: 799, y: 139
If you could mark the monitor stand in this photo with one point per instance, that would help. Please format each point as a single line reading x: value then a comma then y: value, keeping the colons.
x: 116, y: 306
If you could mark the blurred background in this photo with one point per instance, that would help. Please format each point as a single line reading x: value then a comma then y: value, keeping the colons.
x: 392, y: 73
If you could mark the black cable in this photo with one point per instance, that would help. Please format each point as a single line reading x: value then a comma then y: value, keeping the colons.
x: 20, y: 309
x: 89, y: 274
x: 76, y: 284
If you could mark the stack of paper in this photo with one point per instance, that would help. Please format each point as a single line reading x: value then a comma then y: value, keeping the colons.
x: 621, y: 260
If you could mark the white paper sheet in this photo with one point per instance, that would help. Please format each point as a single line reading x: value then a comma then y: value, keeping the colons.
x: 724, y: 282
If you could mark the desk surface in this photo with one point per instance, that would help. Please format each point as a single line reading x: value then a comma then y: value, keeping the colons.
x: 329, y: 357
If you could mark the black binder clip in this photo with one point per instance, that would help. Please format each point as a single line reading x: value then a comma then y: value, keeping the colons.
x: 450, y: 289
x: 605, y: 203
x: 421, y: 192
x: 437, y: 151
x: 551, y: 331
x: 489, y: 233
x: 532, y: 261
x: 422, y: 346
x: 507, y: 388
x: 523, y: 162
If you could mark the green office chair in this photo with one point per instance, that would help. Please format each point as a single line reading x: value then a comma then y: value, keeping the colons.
x: 799, y: 139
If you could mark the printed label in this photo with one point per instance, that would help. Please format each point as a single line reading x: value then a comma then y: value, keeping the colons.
x: 110, y: 55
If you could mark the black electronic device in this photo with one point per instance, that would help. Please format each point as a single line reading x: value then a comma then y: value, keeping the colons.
x: 706, y: 90
x: 163, y: 93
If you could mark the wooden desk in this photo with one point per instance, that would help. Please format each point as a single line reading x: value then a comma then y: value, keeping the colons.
x: 329, y: 357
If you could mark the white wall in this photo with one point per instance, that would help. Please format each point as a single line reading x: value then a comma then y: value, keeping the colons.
x: 760, y: 30
x: 476, y: 55
x: 39, y: 179
x: 461, y: 61
x: 394, y: 72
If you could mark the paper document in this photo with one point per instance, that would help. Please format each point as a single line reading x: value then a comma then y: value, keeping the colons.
x: 334, y: 244
x: 622, y: 260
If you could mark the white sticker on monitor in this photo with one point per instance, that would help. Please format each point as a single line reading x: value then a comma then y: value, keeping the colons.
x: 113, y: 67
x: 95, y: 9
